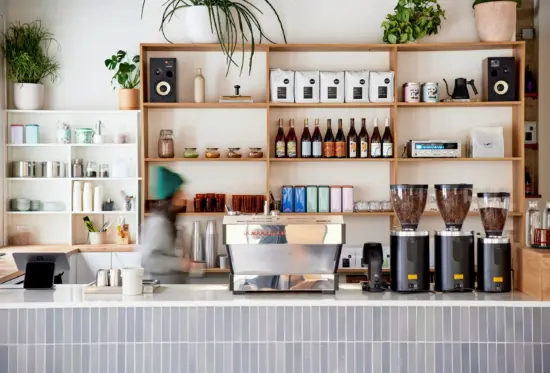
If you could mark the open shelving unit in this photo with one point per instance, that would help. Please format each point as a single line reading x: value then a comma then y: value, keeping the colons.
x: 513, y: 161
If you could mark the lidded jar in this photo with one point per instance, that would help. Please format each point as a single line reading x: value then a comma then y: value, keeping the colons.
x: 166, y: 144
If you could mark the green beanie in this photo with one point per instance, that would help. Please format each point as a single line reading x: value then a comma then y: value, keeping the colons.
x: 168, y: 183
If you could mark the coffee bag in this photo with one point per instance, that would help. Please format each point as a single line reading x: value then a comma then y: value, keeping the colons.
x: 282, y: 85
x: 357, y: 86
x: 381, y: 86
x: 332, y: 86
x: 306, y: 88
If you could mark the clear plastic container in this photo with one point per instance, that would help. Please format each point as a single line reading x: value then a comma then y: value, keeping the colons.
x: 493, y: 207
x: 408, y: 202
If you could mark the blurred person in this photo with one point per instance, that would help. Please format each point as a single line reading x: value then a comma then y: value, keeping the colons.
x: 158, y: 240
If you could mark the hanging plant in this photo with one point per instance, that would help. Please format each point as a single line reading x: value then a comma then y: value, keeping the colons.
x: 233, y: 23
x: 412, y: 20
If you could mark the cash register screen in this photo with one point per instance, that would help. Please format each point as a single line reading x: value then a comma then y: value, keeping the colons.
x: 39, y: 275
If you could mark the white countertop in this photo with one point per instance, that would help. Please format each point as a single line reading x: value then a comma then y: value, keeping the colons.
x: 219, y: 296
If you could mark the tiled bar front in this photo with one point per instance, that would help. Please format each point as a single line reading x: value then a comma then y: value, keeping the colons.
x: 277, y: 339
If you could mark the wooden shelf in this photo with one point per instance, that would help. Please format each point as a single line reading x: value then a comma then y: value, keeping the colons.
x: 454, y: 47
x: 195, y: 214
x: 363, y: 213
x: 533, y: 196
x: 169, y: 47
x: 331, y: 47
x: 275, y: 105
x: 504, y: 159
x: 533, y: 95
x: 206, y: 105
x: 471, y: 213
x: 171, y: 160
x: 532, y: 146
x: 350, y: 160
x: 459, y: 104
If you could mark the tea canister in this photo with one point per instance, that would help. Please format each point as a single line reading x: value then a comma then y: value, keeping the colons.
x: 411, y: 92
x: 31, y: 134
x: 311, y: 198
x: 430, y: 92
x: 17, y: 134
x: 63, y: 134
x: 323, y: 192
x: 288, y: 198
x: 347, y: 198
x: 335, y: 199
x: 84, y: 135
x: 300, y: 199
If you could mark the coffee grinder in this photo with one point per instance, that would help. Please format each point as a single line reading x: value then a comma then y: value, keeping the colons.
x: 494, y: 252
x: 454, y: 248
x: 410, y: 248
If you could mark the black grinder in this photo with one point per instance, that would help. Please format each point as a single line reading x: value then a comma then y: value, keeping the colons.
x: 373, y: 258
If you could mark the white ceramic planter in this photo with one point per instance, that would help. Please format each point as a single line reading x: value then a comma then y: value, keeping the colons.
x: 197, y: 25
x: 27, y: 96
x: 496, y: 21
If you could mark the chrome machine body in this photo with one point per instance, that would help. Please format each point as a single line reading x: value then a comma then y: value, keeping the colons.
x: 282, y: 253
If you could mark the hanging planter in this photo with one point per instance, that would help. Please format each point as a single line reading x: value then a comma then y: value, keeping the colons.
x: 496, y: 19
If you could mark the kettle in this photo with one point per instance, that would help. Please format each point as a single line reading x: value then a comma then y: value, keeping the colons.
x: 373, y: 259
x: 461, y: 89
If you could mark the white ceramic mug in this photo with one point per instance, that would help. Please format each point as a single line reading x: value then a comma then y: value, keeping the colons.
x: 132, y: 281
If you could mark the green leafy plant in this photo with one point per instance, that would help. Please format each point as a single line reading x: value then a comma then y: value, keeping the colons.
x: 518, y: 2
x: 126, y: 70
x: 234, y: 22
x: 412, y: 20
x: 26, y: 47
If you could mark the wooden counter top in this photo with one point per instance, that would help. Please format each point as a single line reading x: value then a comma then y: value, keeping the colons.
x: 8, y: 269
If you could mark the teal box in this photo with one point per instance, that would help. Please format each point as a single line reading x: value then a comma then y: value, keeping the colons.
x: 312, y: 198
x: 324, y: 198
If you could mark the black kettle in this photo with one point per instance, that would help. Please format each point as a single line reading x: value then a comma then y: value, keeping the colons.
x: 373, y: 258
x: 461, y: 89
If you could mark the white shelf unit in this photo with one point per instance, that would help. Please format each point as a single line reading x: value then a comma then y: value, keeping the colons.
x: 66, y: 227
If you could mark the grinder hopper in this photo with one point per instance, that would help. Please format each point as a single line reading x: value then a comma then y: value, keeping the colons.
x: 453, y: 202
x: 409, y: 202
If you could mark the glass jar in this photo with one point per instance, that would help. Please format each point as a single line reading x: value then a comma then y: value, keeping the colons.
x: 533, y: 221
x: 212, y: 153
x: 255, y: 153
x: 104, y: 170
x: 166, y: 144
x: 78, y: 167
x: 91, y: 169
x: 234, y: 153
x: 190, y: 153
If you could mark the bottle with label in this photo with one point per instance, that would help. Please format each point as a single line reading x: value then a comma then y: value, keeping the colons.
x: 387, y: 141
x: 376, y: 142
x: 305, y: 143
x: 291, y: 142
x: 329, y: 145
x: 280, y: 145
x: 340, y: 146
x: 352, y: 140
x: 363, y: 140
x: 317, y: 141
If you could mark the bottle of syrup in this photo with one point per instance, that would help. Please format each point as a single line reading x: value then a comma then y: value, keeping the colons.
x: 328, y: 144
x: 280, y: 144
x: 305, y: 143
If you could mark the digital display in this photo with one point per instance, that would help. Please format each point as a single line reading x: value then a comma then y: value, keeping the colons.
x: 436, y: 146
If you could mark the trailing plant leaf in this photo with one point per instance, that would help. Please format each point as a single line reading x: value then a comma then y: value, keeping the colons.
x: 126, y: 70
x: 412, y: 20
x: 518, y: 2
x: 234, y: 23
x: 26, y: 47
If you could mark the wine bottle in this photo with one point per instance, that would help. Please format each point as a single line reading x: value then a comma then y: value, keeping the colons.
x: 291, y: 142
x: 340, y: 146
x: 387, y: 141
x: 352, y: 140
x: 280, y: 145
x: 317, y: 141
x: 305, y: 142
x: 328, y: 145
x: 376, y: 142
x: 363, y: 140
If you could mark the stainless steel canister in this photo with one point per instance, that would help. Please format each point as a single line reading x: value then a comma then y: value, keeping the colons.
x: 210, y: 247
x: 102, y: 278
x: 21, y: 169
x: 78, y: 167
x: 196, y: 243
x: 115, y: 279
x: 54, y: 169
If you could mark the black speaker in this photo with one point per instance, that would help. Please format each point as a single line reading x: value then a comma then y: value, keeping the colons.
x: 500, y: 79
x: 163, y: 80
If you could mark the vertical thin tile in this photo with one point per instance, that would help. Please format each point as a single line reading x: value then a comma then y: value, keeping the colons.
x: 94, y: 359
x: 262, y: 323
x: 386, y: 356
x: 464, y: 324
x: 289, y: 358
x: 148, y: 324
x: 31, y: 358
x: 67, y: 359
x: 324, y: 361
x: 12, y: 363
x: 430, y: 358
x: 40, y: 359
x: 377, y: 355
x: 359, y: 356
x: 4, y: 353
x: 112, y: 360
x: 456, y: 323
x: 358, y: 327
x: 165, y: 324
x: 500, y: 324
x: 332, y: 323
x: 245, y: 323
x: 21, y: 358
x: 538, y: 358
x: 341, y: 323
x: 510, y: 360
x: 528, y: 358
x: 491, y: 324
x: 403, y: 321
x: 50, y: 330
x: 447, y: 324
x: 316, y: 324
x: 448, y: 356
x: 403, y: 358
x: 121, y: 358
x: 421, y: 324
x: 421, y: 357
x: 411, y: 327
x: 85, y: 325
x: 289, y: 320
x: 130, y: 325
x: 509, y: 321
x: 193, y: 321
x: 317, y: 359
x: 482, y: 322
x: 210, y: 355
x: 280, y: 358
x: 394, y: 324
x: 394, y: 358
x: 138, y: 325
x: 350, y: 324
x: 280, y: 324
x: 349, y: 362
x: 474, y: 324
x: 77, y: 358
x: 306, y: 323
x: 262, y: 356
x: 411, y: 354
x: 483, y: 368
x: 501, y: 357
x: 368, y: 358
x: 112, y: 330
x: 174, y: 324
x: 193, y: 357
x: 386, y: 324
x: 121, y: 324
x: 333, y: 357
x: 430, y: 324
x: 528, y: 325
x: 367, y: 323
x: 545, y: 324
x: 139, y: 358
x: 474, y: 358
x: 201, y: 354
x: 228, y: 358
x: 228, y: 324
x: 4, y: 329
x: 58, y: 325
x: 518, y: 324
x: 298, y: 319
x: 492, y: 359
x: 31, y: 326
x: 519, y: 356
x: 254, y: 354
x: 104, y: 356
x: 438, y: 324
x: 465, y: 358
x: 298, y: 354
x: 537, y: 325
x: 129, y: 362
x: 102, y: 325
x: 210, y: 324
x: 84, y: 366
x: 21, y: 326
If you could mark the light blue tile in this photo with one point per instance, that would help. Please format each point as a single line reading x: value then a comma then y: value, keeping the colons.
x: 289, y: 358
x: 324, y: 319
x: 430, y: 358
x: 262, y: 356
x: 209, y: 324
x: 298, y: 320
x: 421, y: 324
x: 317, y: 359
x: 349, y: 357
x: 130, y: 323
x: 85, y: 327
x: 121, y: 357
x: 76, y: 358
x: 474, y: 324
x: 112, y: 361
x: 483, y: 357
x: 457, y: 357
x: 386, y: 324
x: 448, y: 356
x: 306, y: 324
x: 237, y: 328
x: 491, y: 324
x: 403, y: 358
x: 447, y: 324
x: 68, y: 325
x: 121, y: 325
x: 528, y: 358
x: 501, y: 324
x: 67, y: 359
x: 112, y: 330
x: 219, y: 324
x: 306, y: 358
x: 333, y: 357
x: 537, y: 325
x: 465, y: 363
x: 474, y: 358
x: 528, y: 325
x: 271, y: 324
x: 280, y: 324
x: 368, y: 359
x: 316, y: 323
x: 280, y: 355
x: 138, y: 327
x: 359, y: 327
x: 386, y: 356
x: 58, y: 325
x: 367, y: 324
x: 130, y: 357
x: 518, y: 324
x: 166, y: 324
x: 492, y: 359
x: 228, y: 324
x: 510, y: 358
x: 430, y: 323
x: 538, y: 358
x: 40, y: 360
x: 411, y: 327
x: 245, y: 322
x: 438, y: 324
x: 545, y: 325
x: 333, y: 324
x: 411, y: 354
x: 31, y: 326
x: 12, y: 365
x: 22, y: 359
x: 156, y: 324
x: 298, y: 353
x: 421, y: 357
x: 184, y: 323
x: 439, y: 359
x: 4, y: 355
x: 403, y: 324
x: 77, y: 325
x: 85, y: 361
x: 193, y: 357
x: 519, y: 356
x: 253, y: 357
x: 482, y: 322
x: 140, y: 355
x: 501, y: 357
x: 254, y: 324
x: 50, y: 323
x: 464, y: 324
x: 228, y: 358
x: 103, y: 319
x: 245, y: 353
x: 325, y: 356
x: 201, y: 357
x: 377, y: 324
x: 350, y: 324
x: 103, y: 352
x: 22, y: 326
x: 210, y: 357
x: 509, y: 324
x: 456, y: 323
x: 359, y: 357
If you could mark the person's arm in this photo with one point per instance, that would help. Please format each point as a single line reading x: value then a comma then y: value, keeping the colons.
x: 157, y: 241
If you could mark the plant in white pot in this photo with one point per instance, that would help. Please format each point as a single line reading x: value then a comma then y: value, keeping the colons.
x: 496, y: 19
x: 26, y: 48
x: 226, y: 22
x: 126, y: 75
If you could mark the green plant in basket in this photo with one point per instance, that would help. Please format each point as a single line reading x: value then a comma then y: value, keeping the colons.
x: 412, y: 20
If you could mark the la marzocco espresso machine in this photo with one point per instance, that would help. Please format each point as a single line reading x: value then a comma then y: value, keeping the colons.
x: 283, y: 253
x: 410, y: 248
x: 454, y: 248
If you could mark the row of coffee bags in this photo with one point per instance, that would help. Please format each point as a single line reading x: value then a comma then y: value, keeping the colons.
x: 331, y: 86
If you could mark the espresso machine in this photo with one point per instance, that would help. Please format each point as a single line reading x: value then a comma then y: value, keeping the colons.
x: 283, y: 253
x: 410, y: 248
x: 494, y: 251
x: 454, y: 248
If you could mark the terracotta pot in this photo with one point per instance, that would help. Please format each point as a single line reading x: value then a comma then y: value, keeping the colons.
x: 128, y: 99
x: 496, y: 20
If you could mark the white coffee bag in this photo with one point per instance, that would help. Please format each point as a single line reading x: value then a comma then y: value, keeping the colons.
x: 381, y: 86
x: 332, y: 86
x: 306, y: 87
x: 357, y: 86
x: 487, y: 142
x: 282, y: 85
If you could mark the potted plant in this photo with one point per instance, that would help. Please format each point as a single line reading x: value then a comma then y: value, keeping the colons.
x: 26, y: 48
x: 126, y: 75
x: 412, y: 20
x: 226, y: 22
x: 496, y: 19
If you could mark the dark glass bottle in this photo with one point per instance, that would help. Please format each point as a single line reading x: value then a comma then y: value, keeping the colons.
x: 305, y: 142
x: 317, y: 141
x: 352, y: 140
x: 363, y: 140
x: 376, y: 142
x: 340, y: 146
x: 387, y: 141
x: 328, y: 144
x: 280, y: 144
x: 291, y: 142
